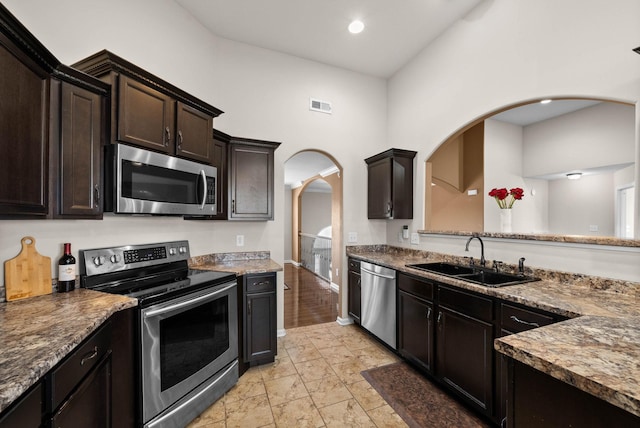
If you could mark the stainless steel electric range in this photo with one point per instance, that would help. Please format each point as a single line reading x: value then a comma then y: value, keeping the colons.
x: 187, y: 349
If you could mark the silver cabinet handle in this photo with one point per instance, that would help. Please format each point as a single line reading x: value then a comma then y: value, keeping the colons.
x: 167, y: 133
x: 518, y: 320
x: 249, y: 308
x: 96, y: 189
x: 89, y: 356
x: 439, y: 317
x: 179, y: 140
x: 428, y: 313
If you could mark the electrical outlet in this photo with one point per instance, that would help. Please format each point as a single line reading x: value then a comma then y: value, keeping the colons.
x: 353, y: 237
x: 593, y: 228
x: 239, y: 240
x: 400, y: 236
x: 415, y: 238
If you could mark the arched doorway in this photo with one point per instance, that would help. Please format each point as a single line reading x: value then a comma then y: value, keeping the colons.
x: 316, y: 177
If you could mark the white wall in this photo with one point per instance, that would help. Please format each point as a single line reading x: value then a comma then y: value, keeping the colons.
x: 506, y: 52
x: 597, y: 136
x: 316, y: 212
x: 264, y: 95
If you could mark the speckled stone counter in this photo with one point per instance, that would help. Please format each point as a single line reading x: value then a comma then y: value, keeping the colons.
x: 240, y: 263
x: 36, y: 333
x: 598, y: 350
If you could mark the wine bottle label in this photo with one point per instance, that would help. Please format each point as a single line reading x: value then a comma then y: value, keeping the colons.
x: 66, y: 272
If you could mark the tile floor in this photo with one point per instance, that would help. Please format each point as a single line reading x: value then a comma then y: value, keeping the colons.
x: 314, y: 382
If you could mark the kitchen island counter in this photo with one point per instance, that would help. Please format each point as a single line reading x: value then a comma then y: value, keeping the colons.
x: 38, y: 332
x: 596, y: 351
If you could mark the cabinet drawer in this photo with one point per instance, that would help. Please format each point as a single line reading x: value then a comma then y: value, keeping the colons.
x: 515, y: 319
x: 354, y: 265
x: 63, y: 379
x: 469, y: 304
x: 259, y: 283
x: 415, y: 286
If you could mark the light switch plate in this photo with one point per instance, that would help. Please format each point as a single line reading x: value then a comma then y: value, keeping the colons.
x: 415, y: 238
x: 240, y: 240
x: 353, y: 237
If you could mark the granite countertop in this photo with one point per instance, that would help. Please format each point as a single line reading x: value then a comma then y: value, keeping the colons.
x: 240, y: 263
x: 38, y: 332
x: 598, y: 350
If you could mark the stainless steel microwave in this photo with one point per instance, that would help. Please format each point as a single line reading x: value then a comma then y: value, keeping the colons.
x: 139, y: 181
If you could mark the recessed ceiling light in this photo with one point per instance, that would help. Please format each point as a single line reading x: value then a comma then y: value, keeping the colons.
x: 356, y: 27
x: 574, y: 175
x: 545, y: 101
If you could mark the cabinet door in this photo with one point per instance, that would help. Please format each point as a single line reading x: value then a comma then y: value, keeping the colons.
x: 464, y: 356
x: 260, y: 327
x: 24, y: 120
x: 90, y: 404
x: 80, y: 178
x: 379, y: 196
x: 251, y: 186
x: 145, y: 116
x: 354, y: 296
x: 193, y: 134
x: 415, y: 329
x: 220, y: 162
x: 27, y: 412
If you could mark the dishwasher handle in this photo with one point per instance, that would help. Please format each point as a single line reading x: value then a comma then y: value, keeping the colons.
x: 377, y: 274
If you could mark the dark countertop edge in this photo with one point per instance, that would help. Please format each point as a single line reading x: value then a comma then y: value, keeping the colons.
x: 573, y: 239
x: 43, y: 367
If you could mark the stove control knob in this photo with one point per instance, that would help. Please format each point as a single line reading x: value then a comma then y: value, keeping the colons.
x: 172, y: 251
x: 115, y: 258
x: 183, y: 250
x: 99, y: 260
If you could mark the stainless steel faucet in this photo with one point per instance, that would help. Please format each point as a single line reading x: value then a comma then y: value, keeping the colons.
x: 466, y: 248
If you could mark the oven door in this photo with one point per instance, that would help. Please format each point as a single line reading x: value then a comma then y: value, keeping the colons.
x: 184, y: 342
x: 146, y: 182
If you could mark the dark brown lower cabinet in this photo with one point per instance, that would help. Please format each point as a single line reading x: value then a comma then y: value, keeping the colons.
x: 542, y: 401
x: 464, y: 343
x: 27, y: 411
x: 355, y: 287
x: 259, y: 323
x: 415, y: 321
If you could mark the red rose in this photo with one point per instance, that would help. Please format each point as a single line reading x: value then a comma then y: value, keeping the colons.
x: 517, y: 193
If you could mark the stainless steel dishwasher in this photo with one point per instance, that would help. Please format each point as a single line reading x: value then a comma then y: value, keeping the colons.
x: 378, y: 299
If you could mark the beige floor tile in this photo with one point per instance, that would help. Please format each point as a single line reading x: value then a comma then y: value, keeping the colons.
x: 303, y: 353
x: 285, y: 389
x: 349, y: 371
x: 297, y: 413
x: 323, y: 339
x: 250, y: 386
x: 281, y: 367
x: 386, y: 417
x: 249, y: 413
x: 355, y: 341
x: 314, y: 369
x: 336, y: 355
x: 375, y: 356
x: 366, y: 395
x: 327, y: 391
x: 345, y: 414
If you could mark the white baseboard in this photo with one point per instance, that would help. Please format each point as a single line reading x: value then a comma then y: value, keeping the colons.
x: 293, y: 262
x: 281, y: 332
x: 344, y: 321
x: 335, y: 287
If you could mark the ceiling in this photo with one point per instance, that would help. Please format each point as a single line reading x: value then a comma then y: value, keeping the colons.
x: 536, y: 112
x: 305, y: 165
x: 395, y: 32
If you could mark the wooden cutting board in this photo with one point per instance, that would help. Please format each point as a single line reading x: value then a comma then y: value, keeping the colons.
x: 28, y: 274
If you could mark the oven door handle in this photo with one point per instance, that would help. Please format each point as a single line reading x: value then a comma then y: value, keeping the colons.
x: 189, y: 302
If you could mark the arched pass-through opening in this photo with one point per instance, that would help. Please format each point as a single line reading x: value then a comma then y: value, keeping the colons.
x: 311, y: 172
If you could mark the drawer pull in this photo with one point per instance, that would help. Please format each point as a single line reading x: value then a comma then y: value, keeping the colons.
x: 261, y: 283
x: 518, y: 320
x: 89, y: 356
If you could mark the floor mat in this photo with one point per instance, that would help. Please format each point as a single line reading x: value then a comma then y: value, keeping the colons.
x: 418, y: 401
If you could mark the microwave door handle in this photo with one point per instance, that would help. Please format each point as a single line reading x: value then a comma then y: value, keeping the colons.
x: 204, y: 193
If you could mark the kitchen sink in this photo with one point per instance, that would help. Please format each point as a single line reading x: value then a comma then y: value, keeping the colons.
x: 476, y: 275
x: 444, y: 268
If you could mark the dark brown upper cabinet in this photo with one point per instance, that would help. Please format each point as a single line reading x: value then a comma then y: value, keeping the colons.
x: 77, y: 137
x: 149, y: 112
x: 25, y: 69
x: 250, y: 164
x: 390, y: 185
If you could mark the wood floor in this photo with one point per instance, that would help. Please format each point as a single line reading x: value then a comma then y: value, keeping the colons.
x: 309, y: 299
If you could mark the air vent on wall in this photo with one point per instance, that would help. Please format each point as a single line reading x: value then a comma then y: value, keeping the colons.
x: 321, y: 106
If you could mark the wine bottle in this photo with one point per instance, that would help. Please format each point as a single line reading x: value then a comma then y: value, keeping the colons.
x: 66, y: 270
